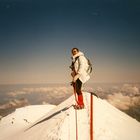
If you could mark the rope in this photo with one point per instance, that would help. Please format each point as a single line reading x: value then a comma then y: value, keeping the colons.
x: 76, y: 124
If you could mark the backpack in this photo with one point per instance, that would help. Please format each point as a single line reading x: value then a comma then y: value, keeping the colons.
x: 89, y: 70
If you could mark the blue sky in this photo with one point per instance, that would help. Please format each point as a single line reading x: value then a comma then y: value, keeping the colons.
x: 36, y: 38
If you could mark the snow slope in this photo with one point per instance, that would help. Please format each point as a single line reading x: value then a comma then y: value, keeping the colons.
x: 60, y: 123
x: 21, y: 118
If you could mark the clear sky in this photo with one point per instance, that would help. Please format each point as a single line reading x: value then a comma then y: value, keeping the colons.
x: 36, y: 37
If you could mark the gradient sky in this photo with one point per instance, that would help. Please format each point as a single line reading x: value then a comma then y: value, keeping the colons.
x: 36, y: 37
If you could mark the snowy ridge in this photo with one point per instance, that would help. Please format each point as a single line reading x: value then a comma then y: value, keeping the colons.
x: 60, y: 108
x: 59, y: 123
x: 112, y: 124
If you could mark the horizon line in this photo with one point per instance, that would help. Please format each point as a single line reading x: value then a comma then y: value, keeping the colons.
x: 127, y: 82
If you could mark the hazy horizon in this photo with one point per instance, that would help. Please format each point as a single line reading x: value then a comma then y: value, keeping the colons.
x: 36, y: 38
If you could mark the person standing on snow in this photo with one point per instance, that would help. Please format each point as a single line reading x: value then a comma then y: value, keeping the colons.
x: 79, y: 74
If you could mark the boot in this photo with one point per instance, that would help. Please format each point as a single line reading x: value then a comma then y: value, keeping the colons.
x: 80, y: 104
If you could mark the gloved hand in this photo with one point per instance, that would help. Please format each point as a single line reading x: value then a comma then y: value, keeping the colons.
x: 76, y: 77
x: 73, y: 74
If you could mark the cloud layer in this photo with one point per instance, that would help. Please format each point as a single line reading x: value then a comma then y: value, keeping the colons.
x: 125, y: 97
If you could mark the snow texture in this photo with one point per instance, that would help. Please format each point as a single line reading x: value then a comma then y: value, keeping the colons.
x: 59, y: 123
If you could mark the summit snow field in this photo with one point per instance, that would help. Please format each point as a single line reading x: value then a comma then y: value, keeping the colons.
x: 63, y: 122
